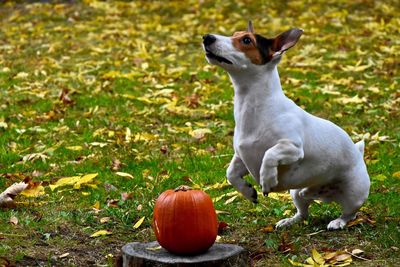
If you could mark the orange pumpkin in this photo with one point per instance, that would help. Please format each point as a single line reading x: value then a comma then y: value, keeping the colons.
x: 185, y: 221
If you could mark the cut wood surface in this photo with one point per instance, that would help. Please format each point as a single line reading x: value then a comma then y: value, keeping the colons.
x: 138, y: 254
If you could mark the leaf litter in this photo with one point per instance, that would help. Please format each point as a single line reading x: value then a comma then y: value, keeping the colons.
x: 164, y: 81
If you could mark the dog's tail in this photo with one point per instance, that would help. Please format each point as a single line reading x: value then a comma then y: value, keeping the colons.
x: 360, y: 146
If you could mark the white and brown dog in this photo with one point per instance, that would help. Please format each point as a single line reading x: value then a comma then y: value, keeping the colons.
x: 282, y: 146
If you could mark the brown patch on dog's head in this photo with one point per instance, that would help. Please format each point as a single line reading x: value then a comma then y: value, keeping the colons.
x: 261, y: 50
x: 246, y: 42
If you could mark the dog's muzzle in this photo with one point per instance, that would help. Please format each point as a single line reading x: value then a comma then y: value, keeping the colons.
x: 208, y: 40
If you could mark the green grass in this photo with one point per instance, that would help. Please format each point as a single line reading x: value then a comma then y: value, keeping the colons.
x: 118, y: 60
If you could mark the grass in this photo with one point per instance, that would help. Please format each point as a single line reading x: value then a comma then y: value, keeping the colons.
x: 139, y: 66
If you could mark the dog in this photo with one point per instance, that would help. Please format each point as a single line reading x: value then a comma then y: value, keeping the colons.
x: 275, y: 141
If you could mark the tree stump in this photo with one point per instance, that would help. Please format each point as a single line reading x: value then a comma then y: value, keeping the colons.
x: 151, y: 254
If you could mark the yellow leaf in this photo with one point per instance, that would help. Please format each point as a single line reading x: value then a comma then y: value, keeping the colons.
x: 85, y: 179
x: 279, y: 196
x: 396, y: 174
x: 352, y: 100
x: 22, y: 75
x: 128, y: 135
x: 124, y: 174
x: 317, y: 257
x: 75, y: 181
x: 200, y: 133
x: 101, y: 233
x: 96, y: 205
x: 33, y: 192
x: 230, y: 200
x: 309, y: 260
x: 268, y: 229
x: 287, y: 212
x: 64, y: 181
x: 296, y: 263
x: 139, y: 223
x: 74, y: 148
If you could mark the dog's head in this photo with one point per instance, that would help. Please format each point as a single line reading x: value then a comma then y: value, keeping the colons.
x: 246, y: 49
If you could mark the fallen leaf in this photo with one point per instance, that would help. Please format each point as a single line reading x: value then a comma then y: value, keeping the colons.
x: 64, y: 97
x: 293, y: 263
x: 63, y: 255
x: 74, y: 148
x: 125, y: 196
x: 357, y: 251
x: 75, y: 181
x: 230, y: 200
x: 33, y: 190
x: 113, y: 203
x: 268, y: 229
x: 124, y: 174
x: 285, y: 246
x: 396, y: 174
x: 110, y: 187
x: 343, y: 257
x: 222, y: 212
x: 116, y: 165
x: 317, y: 257
x: 222, y: 226
x: 101, y: 233
x: 105, y: 219
x: 96, y: 205
x: 14, y: 220
x: 35, y: 156
x: 330, y: 255
x: 200, y: 133
x: 351, y: 100
x: 7, y: 197
x: 139, y: 223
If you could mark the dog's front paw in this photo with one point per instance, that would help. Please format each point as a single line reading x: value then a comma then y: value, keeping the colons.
x: 250, y: 193
x: 288, y: 221
x: 269, y: 179
x: 337, y: 224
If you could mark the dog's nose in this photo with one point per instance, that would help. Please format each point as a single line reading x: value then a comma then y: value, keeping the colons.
x: 208, y: 39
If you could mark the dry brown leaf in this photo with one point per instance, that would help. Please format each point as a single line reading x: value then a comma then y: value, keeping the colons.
x: 125, y: 196
x: 14, y: 220
x: 268, y: 229
x: 7, y: 197
x: 63, y: 255
x: 343, y: 257
x: 116, y: 164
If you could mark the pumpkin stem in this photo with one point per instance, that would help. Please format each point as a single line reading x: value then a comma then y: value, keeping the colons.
x: 182, y: 188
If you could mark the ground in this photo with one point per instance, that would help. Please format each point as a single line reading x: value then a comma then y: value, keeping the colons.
x: 119, y: 96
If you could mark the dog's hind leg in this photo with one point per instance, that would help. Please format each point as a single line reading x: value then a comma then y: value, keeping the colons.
x: 301, y: 204
x: 351, y: 196
x: 235, y: 173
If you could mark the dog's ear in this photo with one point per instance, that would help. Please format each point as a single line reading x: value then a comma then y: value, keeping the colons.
x: 250, y: 27
x: 285, y: 40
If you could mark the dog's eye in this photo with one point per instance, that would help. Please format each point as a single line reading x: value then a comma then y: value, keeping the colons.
x: 246, y: 40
